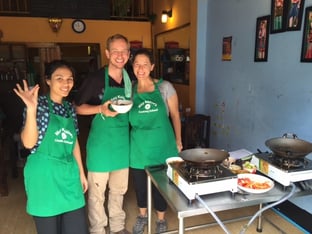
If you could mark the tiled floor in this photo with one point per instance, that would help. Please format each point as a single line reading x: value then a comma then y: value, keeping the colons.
x: 14, y: 220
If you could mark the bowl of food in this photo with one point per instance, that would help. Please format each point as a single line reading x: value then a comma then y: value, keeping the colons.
x: 248, y: 166
x: 122, y: 106
x: 235, y: 168
x: 174, y: 160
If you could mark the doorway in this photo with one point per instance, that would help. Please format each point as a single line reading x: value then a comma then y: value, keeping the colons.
x: 84, y: 57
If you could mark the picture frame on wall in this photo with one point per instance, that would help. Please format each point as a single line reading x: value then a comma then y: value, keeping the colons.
x: 227, y: 49
x: 306, y: 49
x: 294, y: 14
x: 278, y: 15
x: 262, y: 39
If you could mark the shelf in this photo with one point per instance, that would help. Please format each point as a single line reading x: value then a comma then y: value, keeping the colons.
x: 13, y: 62
x: 173, y: 65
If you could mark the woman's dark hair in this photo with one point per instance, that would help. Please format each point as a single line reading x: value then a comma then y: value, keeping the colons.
x: 144, y: 51
x: 55, y: 64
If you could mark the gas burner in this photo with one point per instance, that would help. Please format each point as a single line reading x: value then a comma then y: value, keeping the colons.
x: 204, y: 172
x: 201, y: 172
x: 201, y: 179
x: 288, y: 163
x: 201, y: 165
x: 283, y: 170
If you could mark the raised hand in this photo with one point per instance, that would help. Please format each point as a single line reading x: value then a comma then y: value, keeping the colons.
x: 29, y: 96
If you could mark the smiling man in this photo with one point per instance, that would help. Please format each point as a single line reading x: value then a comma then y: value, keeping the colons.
x: 108, y: 140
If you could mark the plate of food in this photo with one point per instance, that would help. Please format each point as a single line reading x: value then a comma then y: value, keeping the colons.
x: 254, y: 183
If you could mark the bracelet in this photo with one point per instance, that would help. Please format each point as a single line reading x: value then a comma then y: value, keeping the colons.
x: 101, y: 113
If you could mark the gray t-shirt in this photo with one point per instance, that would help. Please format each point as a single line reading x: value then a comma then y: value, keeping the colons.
x: 167, y: 90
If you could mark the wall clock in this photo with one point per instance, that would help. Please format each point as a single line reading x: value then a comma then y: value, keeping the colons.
x: 78, y: 26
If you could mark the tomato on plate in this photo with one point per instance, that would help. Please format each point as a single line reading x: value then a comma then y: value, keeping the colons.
x: 253, y: 183
x: 244, y: 181
x: 248, y: 183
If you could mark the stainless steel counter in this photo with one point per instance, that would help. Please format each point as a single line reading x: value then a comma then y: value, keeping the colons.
x: 216, y: 202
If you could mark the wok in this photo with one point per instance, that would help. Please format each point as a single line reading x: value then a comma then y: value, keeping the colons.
x: 289, y: 146
x: 204, y: 155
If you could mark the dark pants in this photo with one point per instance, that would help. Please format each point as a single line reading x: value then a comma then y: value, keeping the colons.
x: 140, y: 186
x: 3, y: 171
x: 73, y: 222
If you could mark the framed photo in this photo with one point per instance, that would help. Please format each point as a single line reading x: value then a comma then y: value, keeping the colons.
x: 227, y: 49
x: 294, y: 14
x: 278, y: 15
x: 306, y: 50
x: 262, y: 38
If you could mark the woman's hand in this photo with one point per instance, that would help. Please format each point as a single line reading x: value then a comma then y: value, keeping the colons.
x: 29, y: 96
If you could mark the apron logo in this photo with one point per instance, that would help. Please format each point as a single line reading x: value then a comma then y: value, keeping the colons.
x: 118, y: 97
x: 148, y: 106
x: 64, y: 136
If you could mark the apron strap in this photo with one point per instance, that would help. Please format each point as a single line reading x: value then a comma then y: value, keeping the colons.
x: 126, y: 79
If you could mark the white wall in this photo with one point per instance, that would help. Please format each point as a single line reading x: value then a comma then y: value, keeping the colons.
x: 250, y: 102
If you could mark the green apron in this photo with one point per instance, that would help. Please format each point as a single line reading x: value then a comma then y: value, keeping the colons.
x: 51, y: 174
x: 108, y: 141
x: 152, y: 138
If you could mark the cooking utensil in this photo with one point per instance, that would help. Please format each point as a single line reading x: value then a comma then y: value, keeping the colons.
x: 204, y: 155
x: 289, y: 146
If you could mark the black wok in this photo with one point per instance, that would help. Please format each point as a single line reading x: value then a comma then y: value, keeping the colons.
x: 204, y: 155
x: 289, y: 146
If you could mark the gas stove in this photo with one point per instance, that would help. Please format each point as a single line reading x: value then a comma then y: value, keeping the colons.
x: 283, y: 170
x: 202, y: 180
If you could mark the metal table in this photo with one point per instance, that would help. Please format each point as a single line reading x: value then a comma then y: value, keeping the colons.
x: 216, y: 202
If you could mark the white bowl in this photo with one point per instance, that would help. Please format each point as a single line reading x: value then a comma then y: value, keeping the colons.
x: 122, y: 106
x: 235, y: 168
x: 174, y: 159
